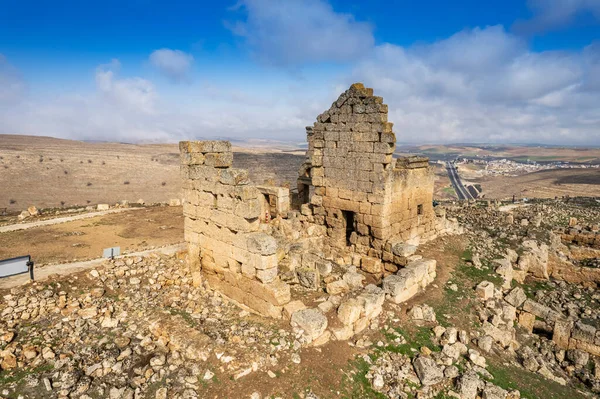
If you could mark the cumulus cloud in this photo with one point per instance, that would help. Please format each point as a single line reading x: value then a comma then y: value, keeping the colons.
x: 554, y: 14
x: 295, y: 32
x: 486, y: 85
x: 175, y: 64
x: 130, y: 109
x: 136, y: 94
x: 12, y: 86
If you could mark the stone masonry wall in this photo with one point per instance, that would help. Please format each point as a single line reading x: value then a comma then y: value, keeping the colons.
x: 222, y: 211
x: 350, y: 165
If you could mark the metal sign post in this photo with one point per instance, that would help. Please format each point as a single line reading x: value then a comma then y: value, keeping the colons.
x: 110, y: 253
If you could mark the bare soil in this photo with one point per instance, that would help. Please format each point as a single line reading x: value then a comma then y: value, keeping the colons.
x: 543, y: 184
x: 48, y: 172
x: 85, y: 239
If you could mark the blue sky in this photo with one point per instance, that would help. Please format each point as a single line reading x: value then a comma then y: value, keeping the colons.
x: 463, y: 71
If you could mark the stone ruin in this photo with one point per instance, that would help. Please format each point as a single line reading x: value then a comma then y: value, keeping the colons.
x: 358, y: 212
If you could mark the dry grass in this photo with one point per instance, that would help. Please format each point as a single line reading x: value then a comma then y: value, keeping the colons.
x: 48, y: 172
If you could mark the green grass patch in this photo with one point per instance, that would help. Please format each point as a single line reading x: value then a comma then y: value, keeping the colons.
x: 190, y: 321
x: 18, y: 375
x: 531, y: 385
x: 416, y: 338
x: 359, y: 386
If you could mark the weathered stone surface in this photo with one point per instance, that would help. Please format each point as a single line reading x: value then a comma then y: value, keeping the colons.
x: 516, y: 297
x: 349, y: 311
x: 485, y: 290
x: 428, y: 371
x: 311, y: 321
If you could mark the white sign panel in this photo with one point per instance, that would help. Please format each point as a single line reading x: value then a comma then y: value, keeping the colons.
x: 111, y: 252
x: 10, y: 267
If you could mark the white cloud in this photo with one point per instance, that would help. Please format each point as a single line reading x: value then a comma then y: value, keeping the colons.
x: 295, y: 32
x: 555, y: 14
x: 479, y: 85
x: 12, y: 86
x: 486, y: 85
x: 175, y: 64
x: 136, y: 94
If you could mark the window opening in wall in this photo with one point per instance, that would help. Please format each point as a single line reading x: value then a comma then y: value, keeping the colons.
x: 420, y: 209
x: 350, y: 225
x: 304, y: 193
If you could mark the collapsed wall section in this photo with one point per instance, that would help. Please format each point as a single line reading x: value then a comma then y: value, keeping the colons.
x: 222, y: 221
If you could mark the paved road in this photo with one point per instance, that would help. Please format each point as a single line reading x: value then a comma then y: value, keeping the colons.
x: 44, y: 272
x: 460, y: 189
x: 65, y: 219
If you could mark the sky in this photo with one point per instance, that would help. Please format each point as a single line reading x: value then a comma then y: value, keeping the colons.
x: 161, y: 71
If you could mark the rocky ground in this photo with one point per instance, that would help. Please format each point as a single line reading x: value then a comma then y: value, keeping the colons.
x: 138, y: 328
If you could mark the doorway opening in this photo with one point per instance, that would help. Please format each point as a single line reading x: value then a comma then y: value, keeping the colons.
x: 350, y: 225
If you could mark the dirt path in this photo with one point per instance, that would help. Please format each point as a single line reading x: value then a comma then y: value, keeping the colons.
x: 84, y: 239
x: 69, y: 268
x: 50, y: 222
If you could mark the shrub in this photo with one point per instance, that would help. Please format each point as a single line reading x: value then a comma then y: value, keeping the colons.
x: 89, y: 161
x: 62, y: 203
x: 126, y: 182
x: 89, y: 184
x: 164, y: 183
x: 12, y: 201
x: 66, y: 172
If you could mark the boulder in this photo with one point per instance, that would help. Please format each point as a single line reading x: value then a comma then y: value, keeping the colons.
x: 312, y: 321
x: 428, y: 371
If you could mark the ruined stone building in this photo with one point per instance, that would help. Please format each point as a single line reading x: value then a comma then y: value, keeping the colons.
x: 360, y: 210
x: 364, y: 196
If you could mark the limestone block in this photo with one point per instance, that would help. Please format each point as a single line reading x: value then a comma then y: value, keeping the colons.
x: 372, y: 299
x: 516, y: 297
x: 203, y: 172
x: 343, y: 332
x: 261, y: 243
x: 485, y: 290
x: 233, y: 176
x: 292, y: 307
x: 241, y: 293
x: 526, y: 320
x: 361, y: 324
x: 190, y: 158
x: 505, y: 269
x: 584, y: 332
x: 349, y: 311
x: 309, y: 278
x: 218, y: 159
x: 584, y: 346
x: 503, y: 337
x: 403, y: 249
x: 267, y: 275
x: 353, y: 279
x: 276, y: 292
x: 311, y: 321
x: 337, y: 287
x: 536, y: 308
x: 562, y: 333
x: 371, y: 265
x: 398, y: 289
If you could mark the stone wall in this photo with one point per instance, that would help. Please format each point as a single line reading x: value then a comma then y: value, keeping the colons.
x: 222, y: 228
x: 364, y: 196
x: 581, y: 237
